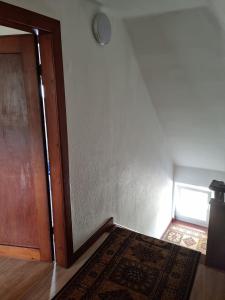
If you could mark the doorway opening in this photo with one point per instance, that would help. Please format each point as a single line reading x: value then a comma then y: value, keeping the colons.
x: 45, y: 135
x: 52, y: 90
x: 25, y: 183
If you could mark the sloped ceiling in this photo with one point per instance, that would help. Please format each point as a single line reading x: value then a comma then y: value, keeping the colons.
x: 134, y: 8
x: 180, y: 47
x: 182, y: 59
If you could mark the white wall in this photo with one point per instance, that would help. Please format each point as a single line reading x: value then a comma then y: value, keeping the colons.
x: 119, y: 164
x: 10, y: 31
x: 195, y: 176
x: 182, y: 58
x: 218, y: 7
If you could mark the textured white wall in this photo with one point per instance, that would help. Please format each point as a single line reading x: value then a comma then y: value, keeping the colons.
x: 195, y: 176
x: 119, y: 164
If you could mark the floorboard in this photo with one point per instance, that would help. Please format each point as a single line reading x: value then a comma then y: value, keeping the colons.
x: 30, y: 280
x: 209, y: 284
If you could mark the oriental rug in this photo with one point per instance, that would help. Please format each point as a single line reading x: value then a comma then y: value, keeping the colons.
x: 187, y: 236
x: 129, y: 266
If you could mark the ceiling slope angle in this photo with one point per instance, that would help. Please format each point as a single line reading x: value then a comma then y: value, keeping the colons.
x: 181, y: 55
x: 137, y: 8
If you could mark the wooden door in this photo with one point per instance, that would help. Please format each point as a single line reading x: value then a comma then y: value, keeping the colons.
x: 24, y: 209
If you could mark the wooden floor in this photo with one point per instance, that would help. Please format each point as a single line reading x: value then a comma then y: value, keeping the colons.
x: 23, y: 280
x: 41, y: 281
x: 209, y: 284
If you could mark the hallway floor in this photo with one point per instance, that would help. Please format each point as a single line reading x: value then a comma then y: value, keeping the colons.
x: 33, y: 280
x: 28, y: 280
x: 187, y: 235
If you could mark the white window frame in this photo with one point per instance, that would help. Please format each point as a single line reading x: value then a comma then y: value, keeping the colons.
x: 177, y: 187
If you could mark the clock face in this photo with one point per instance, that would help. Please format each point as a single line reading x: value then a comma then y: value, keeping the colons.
x: 102, y: 29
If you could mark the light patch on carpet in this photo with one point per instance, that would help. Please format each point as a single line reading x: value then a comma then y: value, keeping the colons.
x: 186, y: 236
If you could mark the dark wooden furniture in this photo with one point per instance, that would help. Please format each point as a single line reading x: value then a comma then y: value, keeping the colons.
x: 219, y: 189
x: 215, y: 255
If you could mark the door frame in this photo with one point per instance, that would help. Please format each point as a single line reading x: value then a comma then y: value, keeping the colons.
x: 53, y: 78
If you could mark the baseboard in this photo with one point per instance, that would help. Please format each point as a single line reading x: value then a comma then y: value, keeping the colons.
x: 20, y: 252
x: 106, y: 227
x: 195, y: 226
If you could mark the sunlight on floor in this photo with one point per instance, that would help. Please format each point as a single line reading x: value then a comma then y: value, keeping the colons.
x: 187, y: 236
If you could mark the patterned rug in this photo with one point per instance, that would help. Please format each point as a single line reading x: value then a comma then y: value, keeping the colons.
x: 185, y: 236
x: 130, y: 266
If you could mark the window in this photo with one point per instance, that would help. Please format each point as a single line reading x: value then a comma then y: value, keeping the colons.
x: 192, y: 204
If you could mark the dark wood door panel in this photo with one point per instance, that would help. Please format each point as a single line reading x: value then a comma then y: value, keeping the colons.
x: 17, y: 200
x: 24, y: 215
x: 52, y: 65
